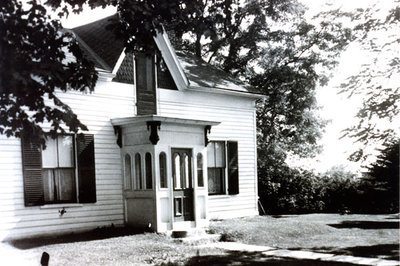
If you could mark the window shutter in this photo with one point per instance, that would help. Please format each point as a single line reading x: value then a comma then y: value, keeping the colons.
x: 86, y: 168
x: 32, y: 171
x: 233, y: 169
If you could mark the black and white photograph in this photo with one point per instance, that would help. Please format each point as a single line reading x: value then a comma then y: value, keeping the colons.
x: 199, y: 132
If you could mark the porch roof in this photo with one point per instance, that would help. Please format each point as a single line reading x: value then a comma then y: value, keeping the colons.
x: 173, y: 120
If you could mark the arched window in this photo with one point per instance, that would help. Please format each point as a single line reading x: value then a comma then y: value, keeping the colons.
x: 128, y: 171
x: 186, y: 171
x: 138, y: 172
x: 149, y: 171
x: 163, y: 170
x: 200, y: 178
x: 177, y: 171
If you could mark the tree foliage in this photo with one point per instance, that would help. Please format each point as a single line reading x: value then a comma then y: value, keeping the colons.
x: 266, y: 43
x: 33, y: 65
x: 385, y: 175
x: 375, y: 32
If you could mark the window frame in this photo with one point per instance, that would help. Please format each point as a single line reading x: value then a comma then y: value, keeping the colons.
x: 128, y: 185
x: 164, y: 171
x: 225, y: 185
x: 83, y: 169
x: 74, y: 169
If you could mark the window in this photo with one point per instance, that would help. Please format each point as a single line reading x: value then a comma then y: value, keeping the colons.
x: 163, y: 170
x: 55, y: 174
x: 138, y: 172
x: 222, y: 162
x: 200, y: 179
x: 177, y: 171
x: 149, y: 171
x: 58, y: 170
x: 128, y: 171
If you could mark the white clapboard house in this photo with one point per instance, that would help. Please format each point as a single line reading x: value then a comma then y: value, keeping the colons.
x: 171, y: 144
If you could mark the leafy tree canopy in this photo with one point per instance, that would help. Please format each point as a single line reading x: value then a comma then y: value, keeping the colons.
x: 268, y: 44
x: 376, y: 32
x: 33, y: 65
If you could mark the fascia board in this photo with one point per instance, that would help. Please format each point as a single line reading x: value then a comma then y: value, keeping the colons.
x: 172, y: 61
x: 227, y: 92
x: 119, y: 62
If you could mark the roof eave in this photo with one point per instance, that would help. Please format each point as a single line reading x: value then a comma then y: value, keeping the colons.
x: 227, y: 92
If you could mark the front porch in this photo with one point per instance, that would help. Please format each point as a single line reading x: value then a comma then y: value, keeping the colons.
x: 164, y: 169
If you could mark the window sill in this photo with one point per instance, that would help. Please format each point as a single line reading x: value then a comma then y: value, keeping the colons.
x: 57, y: 206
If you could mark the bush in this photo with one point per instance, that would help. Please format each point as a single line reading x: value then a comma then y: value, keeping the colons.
x: 294, y: 191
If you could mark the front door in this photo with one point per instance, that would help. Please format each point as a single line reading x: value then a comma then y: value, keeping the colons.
x: 183, y: 184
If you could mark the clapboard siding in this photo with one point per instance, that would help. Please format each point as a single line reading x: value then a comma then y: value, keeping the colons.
x: 110, y: 100
x: 237, y: 117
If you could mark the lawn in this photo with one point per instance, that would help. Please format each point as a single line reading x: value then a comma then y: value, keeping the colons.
x: 359, y: 235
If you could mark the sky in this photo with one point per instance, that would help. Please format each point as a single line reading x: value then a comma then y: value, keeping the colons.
x: 336, y: 108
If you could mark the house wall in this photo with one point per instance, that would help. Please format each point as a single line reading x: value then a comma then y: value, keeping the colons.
x: 115, y: 100
x: 95, y: 110
x: 237, y: 117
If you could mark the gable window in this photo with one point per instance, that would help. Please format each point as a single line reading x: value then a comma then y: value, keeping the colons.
x: 62, y: 173
x: 222, y: 163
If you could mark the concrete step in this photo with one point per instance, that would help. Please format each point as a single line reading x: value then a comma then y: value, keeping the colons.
x: 195, y: 240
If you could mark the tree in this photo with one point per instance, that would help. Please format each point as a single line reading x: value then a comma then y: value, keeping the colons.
x: 375, y: 31
x: 385, y: 176
x: 33, y: 66
x: 243, y: 36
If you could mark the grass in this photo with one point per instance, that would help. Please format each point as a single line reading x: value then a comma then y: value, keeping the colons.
x: 114, y: 249
x: 357, y: 235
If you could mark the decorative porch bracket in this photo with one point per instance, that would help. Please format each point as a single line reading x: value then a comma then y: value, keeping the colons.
x: 207, y: 131
x: 154, y: 126
x: 118, y: 132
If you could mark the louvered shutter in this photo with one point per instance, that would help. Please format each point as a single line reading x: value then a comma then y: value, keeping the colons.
x: 86, y: 168
x: 146, y: 103
x: 233, y: 169
x: 32, y: 171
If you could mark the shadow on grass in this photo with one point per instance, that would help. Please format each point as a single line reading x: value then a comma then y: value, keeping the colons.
x: 283, y: 216
x: 256, y: 258
x: 367, y: 225
x: 96, y: 234
x: 384, y: 251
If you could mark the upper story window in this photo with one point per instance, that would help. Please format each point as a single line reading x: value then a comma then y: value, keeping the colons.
x: 222, y: 163
x: 55, y: 175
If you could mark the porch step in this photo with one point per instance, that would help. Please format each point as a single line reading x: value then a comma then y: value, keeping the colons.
x: 199, y: 239
x: 194, y: 237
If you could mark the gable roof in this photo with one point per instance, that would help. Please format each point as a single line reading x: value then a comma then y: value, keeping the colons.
x: 96, y: 38
x: 188, y: 71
